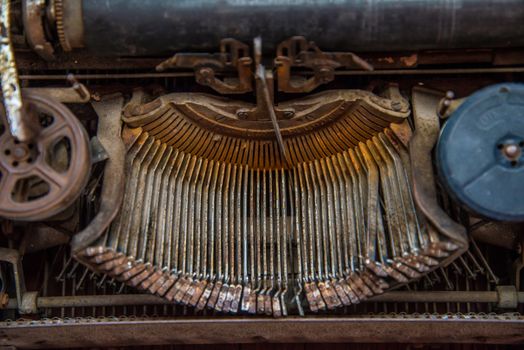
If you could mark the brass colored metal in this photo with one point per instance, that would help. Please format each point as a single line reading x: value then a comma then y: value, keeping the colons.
x: 233, y: 55
x: 298, y: 52
x: 212, y: 208
x: 294, y: 52
x: 59, y: 23
x: 321, y: 124
x: 69, y: 29
x: 23, y: 163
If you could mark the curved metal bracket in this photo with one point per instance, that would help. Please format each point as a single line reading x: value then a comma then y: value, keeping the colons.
x: 425, y: 104
x: 298, y: 52
x: 109, y: 130
x: 233, y: 55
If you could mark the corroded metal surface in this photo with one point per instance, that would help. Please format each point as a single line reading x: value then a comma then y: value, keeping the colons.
x: 307, y: 125
x: 298, y: 52
x: 109, y: 129
x: 25, y: 166
x: 233, y: 55
x: 425, y: 107
x: 34, y: 27
x: 12, y: 97
x: 213, y: 217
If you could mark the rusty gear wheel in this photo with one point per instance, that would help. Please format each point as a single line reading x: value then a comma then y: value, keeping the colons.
x: 59, y: 18
x: 41, y: 178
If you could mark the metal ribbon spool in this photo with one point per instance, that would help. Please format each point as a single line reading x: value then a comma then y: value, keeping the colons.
x: 481, y: 153
x: 40, y: 178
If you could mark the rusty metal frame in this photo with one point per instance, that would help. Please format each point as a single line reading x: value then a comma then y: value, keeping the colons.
x: 109, y: 126
x: 147, y: 134
x: 425, y: 106
x: 494, y: 297
x: 76, y: 93
x: 233, y: 55
x: 298, y: 52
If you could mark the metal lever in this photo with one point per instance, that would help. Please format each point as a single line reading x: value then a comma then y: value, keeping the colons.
x: 264, y: 97
x: 232, y: 56
x: 298, y: 52
x: 77, y: 93
x: 10, y: 86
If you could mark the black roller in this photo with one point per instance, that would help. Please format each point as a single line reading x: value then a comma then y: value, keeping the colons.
x: 163, y: 27
x: 480, y: 153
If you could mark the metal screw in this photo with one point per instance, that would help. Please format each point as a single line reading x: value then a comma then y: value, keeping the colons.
x: 242, y: 115
x: 205, y: 76
x: 445, y: 103
x: 511, y: 151
x: 289, y: 114
x: 19, y: 152
x: 397, y: 106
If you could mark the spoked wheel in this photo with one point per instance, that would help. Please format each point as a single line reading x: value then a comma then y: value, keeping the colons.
x: 41, y: 178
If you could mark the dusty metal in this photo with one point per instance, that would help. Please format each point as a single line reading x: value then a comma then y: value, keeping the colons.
x: 69, y: 30
x: 12, y: 98
x: 139, y: 28
x: 25, y: 166
x: 32, y: 12
x: 233, y: 55
x: 110, y: 126
x: 448, y: 105
x: 216, y: 122
x: 505, y: 235
x: 41, y: 237
x: 77, y: 93
x: 194, y: 167
x: 13, y: 257
x: 265, y: 103
x: 504, y: 296
x: 508, y: 297
x: 405, y: 72
x: 298, y: 52
x: 425, y: 108
x: 294, y: 52
x: 28, y: 305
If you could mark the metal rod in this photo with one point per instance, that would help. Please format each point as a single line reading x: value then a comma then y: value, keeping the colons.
x: 373, y: 25
x: 340, y: 72
x: 146, y: 299
x: 108, y: 76
x: 431, y: 71
x: 439, y: 297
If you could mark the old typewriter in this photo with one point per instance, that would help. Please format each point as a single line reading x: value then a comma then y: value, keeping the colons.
x: 243, y: 171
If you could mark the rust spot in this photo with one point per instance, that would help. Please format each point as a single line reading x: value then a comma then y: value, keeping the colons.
x: 409, y: 61
x: 389, y: 60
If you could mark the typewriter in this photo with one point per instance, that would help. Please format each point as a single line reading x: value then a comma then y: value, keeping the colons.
x: 245, y: 171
